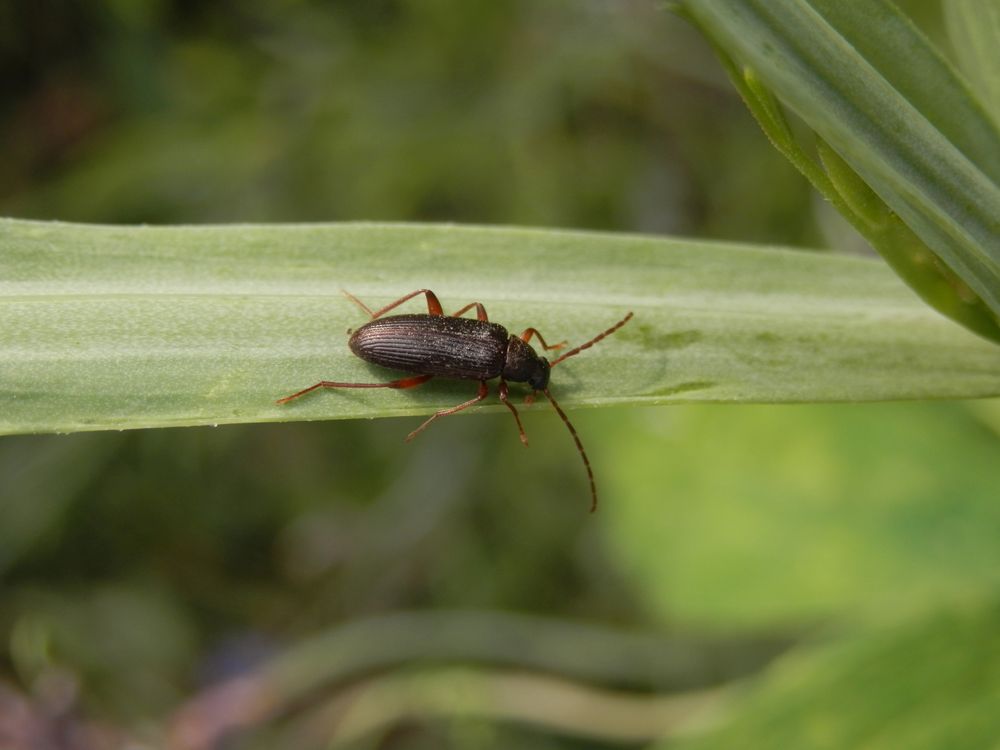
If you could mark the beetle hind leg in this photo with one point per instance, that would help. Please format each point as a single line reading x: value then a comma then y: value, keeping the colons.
x: 402, y: 383
x: 483, y: 393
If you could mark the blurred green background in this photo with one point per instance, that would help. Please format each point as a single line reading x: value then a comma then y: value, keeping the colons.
x: 161, y: 587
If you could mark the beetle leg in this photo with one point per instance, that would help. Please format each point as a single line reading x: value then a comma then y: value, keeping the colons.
x: 433, y: 303
x: 502, y: 390
x: 529, y: 332
x: 483, y: 393
x: 480, y: 311
x: 402, y: 383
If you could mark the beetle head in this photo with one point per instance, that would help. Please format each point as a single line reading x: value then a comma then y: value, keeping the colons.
x: 539, y: 379
x: 523, y: 365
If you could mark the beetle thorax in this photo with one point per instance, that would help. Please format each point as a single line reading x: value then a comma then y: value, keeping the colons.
x: 523, y: 365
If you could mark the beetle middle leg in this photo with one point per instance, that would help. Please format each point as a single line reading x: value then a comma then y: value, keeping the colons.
x: 483, y: 393
x: 401, y: 383
x: 433, y: 303
x: 502, y: 391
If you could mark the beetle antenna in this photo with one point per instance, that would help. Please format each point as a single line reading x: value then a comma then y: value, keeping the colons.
x: 579, y: 445
x: 589, y: 344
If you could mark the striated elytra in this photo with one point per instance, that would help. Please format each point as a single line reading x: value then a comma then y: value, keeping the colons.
x: 450, y: 347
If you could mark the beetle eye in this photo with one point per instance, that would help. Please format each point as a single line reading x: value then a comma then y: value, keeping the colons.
x: 539, y: 379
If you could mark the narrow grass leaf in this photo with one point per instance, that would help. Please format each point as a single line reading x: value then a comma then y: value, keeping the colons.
x: 123, y: 327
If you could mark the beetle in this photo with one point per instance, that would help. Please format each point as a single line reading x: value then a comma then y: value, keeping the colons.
x: 450, y: 346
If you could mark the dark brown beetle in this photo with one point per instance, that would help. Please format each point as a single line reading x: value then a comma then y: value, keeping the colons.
x: 461, y: 348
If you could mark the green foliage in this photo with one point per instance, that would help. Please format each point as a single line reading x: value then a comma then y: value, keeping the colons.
x: 974, y: 30
x: 850, y: 509
x: 930, y: 682
x: 896, y: 112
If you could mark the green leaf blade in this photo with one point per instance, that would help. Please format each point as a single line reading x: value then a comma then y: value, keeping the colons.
x: 126, y: 327
x: 865, y: 80
x: 974, y: 29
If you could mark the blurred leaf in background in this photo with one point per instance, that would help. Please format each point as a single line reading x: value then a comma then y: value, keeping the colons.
x: 805, y: 513
x: 561, y: 114
x: 928, y: 681
x: 138, y: 570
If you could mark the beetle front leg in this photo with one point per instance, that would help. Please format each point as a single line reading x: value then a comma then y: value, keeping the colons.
x: 502, y: 391
x: 529, y: 332
x: 483, y: 393
x: 433, y: 303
